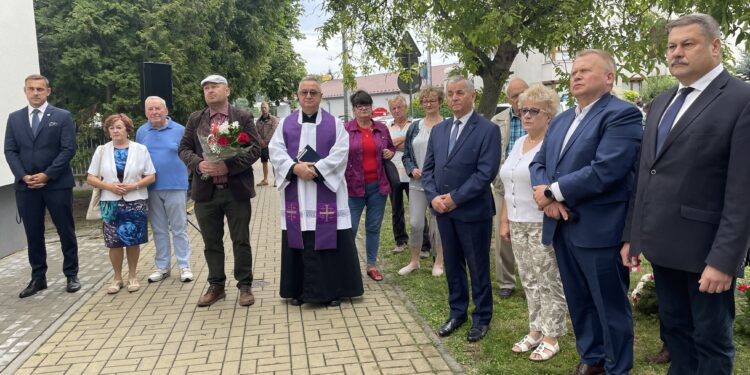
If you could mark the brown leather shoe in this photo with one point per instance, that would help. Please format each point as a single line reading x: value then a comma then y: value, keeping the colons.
x: 584, y: 369
x: 213, y: 294
x: 660, y: 358
x: 246, y: 296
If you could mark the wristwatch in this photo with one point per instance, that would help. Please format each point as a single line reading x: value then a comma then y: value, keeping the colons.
x: 548, y: 193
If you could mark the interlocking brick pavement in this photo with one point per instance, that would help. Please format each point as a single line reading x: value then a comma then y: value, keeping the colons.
x: 160, y: 330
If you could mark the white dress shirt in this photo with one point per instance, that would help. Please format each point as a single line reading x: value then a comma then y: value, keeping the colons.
x: 698, y: 87
x: 41, y: 108
x: 580, y: 115
x: 519, y: 196
x: 464, y: 120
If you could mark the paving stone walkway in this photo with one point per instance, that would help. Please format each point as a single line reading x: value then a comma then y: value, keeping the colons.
x: 160, y: 330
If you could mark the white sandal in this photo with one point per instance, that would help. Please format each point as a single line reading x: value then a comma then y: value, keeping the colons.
x: 527, y: 343
x: 545, y: 351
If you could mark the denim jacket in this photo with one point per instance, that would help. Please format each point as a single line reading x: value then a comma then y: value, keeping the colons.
x: 409, y: 159
x: 355, y: 171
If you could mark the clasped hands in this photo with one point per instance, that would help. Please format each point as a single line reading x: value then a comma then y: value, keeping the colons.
x: 443, y: 204
x: 305, y: 170
x: 551, y: 208
x: 121, y: 188
x: 213, y: 168
x: 36, y: 181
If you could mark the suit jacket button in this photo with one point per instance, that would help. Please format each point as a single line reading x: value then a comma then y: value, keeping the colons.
x: 653, y: 171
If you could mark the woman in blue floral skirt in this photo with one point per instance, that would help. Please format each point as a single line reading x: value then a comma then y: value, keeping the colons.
x: 122, y: 169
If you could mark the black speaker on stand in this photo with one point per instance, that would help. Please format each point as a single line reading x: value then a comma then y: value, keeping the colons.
x: 156, y: 80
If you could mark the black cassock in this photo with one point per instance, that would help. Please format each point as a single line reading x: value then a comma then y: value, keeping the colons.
x: 320, y: 276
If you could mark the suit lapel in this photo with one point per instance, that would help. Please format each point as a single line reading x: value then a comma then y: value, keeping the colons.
x: 45, y: 119
x: 26, y: 125
x: 469, y: 127
x: 701, y: 102
x: 653, y: 118
x: 594, y: 112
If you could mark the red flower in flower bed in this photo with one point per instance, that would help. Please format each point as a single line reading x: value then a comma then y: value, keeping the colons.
x: 223, y: 141
x: 243, y: 138
x: 742, y: 287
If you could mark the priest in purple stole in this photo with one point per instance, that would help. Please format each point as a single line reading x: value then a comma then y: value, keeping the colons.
x: 319, y: 262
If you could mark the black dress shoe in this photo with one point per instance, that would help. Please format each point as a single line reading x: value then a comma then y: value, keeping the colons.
x: 477, y: 333
x: 335, y: 303
x: 450, y: 326
x: 505, y: 292
x: 73, y: 284
x: 584, y: 369
x: 35, y: 285
x: 296, y: 301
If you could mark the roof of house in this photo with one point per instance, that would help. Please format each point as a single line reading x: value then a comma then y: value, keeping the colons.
x: 382, y: 83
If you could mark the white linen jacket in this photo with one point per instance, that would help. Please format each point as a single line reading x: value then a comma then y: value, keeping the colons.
x: 137, y: 165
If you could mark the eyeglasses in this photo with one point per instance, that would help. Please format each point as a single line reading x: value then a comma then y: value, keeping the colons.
x: 305, y: 93
x: 363, y: 107
x: 532, y: 112
x: 430, y: 102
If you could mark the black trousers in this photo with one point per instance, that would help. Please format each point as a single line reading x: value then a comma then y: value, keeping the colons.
x: 32, y: 205
x: 210, y: 217
x: 397, y: 217
x: 697, y: 326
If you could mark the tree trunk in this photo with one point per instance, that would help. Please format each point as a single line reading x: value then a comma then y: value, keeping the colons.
x: 494, y: 74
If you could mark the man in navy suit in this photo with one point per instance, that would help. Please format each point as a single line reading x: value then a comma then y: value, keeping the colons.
x: 462, y: 160
x: 40, y: 140
x: 582, y: 178
x: 689, y: 214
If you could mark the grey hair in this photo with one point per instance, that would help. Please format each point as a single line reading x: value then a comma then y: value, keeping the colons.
x: 397, y: 98
x: 609, y: 61
x: 454, y: 79
x: 157, y: 98
x: 545, y: 96
x: 310, y: 78
x: 707, y: 23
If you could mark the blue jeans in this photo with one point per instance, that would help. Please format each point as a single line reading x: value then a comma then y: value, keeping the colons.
x: 375, y: 203
x: 167, y: 213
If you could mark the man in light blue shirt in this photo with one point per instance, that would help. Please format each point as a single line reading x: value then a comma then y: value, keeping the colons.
x: 167, y: 196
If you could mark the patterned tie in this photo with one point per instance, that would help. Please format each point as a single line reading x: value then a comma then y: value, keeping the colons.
x: 669, y: 116
x: 35, y: 121
x: 454, y: 135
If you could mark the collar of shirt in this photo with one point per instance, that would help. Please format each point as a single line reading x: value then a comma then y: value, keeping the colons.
x: 464, y: 120
x: 313, y: 119
x: 703, y: 82
x: 168, y: 125
x: 42, y: 108
x: 224, y: 111
x: 513, y: 114
x: 582, y: 112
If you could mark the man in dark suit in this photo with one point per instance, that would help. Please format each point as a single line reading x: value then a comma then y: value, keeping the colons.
x: 40, y: 140
x: 689, y: 215
x: 462, y: 160
x: 222, y: 188
x: 582, y: 178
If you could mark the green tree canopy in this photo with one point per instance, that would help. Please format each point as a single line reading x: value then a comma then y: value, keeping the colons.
x: 487, y: 35
x: 92, y: 50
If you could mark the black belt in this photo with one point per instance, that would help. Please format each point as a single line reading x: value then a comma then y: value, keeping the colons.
x: 222, y: 186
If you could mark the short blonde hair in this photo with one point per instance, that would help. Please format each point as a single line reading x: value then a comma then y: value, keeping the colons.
x: 545, y: 96
x: 397, y: 98
x: 432, y: 91
x: 609, y: 61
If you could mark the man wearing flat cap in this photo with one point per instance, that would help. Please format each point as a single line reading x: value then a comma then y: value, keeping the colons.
x: 222, y: 189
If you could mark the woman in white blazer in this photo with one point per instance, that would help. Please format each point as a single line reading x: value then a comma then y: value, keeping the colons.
x: 122, y: 169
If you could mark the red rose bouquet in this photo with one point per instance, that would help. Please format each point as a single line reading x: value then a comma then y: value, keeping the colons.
x: 223, y: 141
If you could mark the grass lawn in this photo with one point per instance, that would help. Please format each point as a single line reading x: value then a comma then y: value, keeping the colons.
x: 492, y: 355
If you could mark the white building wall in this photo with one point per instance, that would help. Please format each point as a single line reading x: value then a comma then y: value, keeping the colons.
x: 19, y: 59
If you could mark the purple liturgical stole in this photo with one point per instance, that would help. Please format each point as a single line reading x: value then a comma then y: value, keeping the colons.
x: 326, y: 216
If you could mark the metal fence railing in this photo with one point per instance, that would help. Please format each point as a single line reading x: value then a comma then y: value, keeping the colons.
x: 86, y: 147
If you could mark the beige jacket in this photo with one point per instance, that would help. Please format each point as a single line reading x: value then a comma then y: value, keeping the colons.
x: 502, y: 120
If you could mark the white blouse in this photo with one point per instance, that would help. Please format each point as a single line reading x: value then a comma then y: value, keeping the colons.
x: 137, y: 165
x: 519, y: 196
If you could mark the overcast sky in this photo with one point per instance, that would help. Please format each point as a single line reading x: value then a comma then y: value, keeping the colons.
x: 319, y: 60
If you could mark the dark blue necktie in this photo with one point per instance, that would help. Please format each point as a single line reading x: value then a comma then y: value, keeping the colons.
x: 454, y: 135
x: 35, y: 121
x: 668, y: 120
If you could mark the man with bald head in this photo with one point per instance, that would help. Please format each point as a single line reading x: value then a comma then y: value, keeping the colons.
x: 510, y: 130
x: 319, y: 262
x: 167, y: 196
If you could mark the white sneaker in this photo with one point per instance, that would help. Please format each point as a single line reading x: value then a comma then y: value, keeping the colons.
x: 399, y: 248
x: 186, y: 275
x: 424, y: 254
x: 158, y: 275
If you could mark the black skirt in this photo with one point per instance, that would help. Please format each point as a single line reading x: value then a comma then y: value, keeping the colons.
x: 319, y: 276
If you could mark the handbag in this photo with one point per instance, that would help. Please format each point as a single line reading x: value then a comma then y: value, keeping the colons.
x: 392, y: 173
x: 94, y: 212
